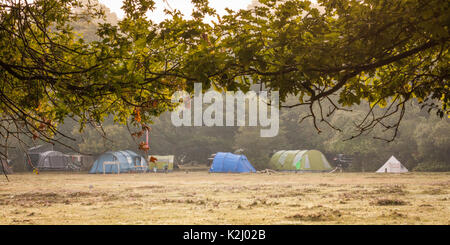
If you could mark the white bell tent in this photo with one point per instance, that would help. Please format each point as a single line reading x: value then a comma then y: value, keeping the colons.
x: 392, y: 166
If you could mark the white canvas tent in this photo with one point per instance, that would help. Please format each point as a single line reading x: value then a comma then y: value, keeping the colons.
x: 392, y: 166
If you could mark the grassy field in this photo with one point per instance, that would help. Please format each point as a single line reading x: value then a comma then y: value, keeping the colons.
x: 202, y: 198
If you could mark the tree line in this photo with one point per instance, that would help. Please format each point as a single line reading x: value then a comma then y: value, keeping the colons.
x: 423, y: 142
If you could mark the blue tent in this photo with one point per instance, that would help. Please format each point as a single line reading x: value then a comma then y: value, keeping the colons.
x: 127, y: 159
x: 225, y: 162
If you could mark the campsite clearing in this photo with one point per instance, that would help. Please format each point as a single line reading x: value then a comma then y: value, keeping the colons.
x: 202, y: 198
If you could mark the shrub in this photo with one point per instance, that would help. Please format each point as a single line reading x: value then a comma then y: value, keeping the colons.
x: 433, y: 166
x: 389, y: 202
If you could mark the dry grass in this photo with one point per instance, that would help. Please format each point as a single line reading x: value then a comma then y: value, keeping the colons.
x: 202, y: 198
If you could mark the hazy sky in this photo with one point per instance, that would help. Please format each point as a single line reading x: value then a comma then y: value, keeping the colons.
x: 184, y: 6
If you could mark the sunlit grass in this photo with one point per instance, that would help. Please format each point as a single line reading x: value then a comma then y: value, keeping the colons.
x: 202, y: 198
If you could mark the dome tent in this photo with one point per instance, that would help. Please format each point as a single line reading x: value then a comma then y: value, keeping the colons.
x: 37, y: 155
x: 53, y: 160
x: 300, y: 160
x: 127, y: 162
x: 226, y: 162
x: 50, y: 160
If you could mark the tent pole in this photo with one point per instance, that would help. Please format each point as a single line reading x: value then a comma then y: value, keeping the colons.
x: 147, y: 150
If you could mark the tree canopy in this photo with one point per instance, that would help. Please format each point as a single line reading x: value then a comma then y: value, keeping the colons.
x: 382, y: 52
x: 329, y: 56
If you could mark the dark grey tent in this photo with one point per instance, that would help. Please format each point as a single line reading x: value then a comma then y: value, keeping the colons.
x: 53, y: 160
x: 43, y: 157
x: 34, y: 154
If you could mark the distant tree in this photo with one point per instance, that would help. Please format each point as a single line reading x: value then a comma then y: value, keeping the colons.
x: 116, y: 138
x: 258, y: 150
x: 88, y: 26
x: 195, y: 143
x: 433, y: 145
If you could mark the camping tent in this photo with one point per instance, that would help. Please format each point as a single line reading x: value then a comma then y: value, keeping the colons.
x: 392, y: 166
x: 34, y: 154
x: 40, y: 148
x: 161, y: 161
x: 128, y: 162
x: 305, y: 161
x: 43, y: 157
x: 226, y: 162
x: 50, y: 160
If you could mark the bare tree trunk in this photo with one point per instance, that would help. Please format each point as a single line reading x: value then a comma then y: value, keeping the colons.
x: 6, y: 154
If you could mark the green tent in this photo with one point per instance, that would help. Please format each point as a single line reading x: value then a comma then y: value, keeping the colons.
x: 304, y: 161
